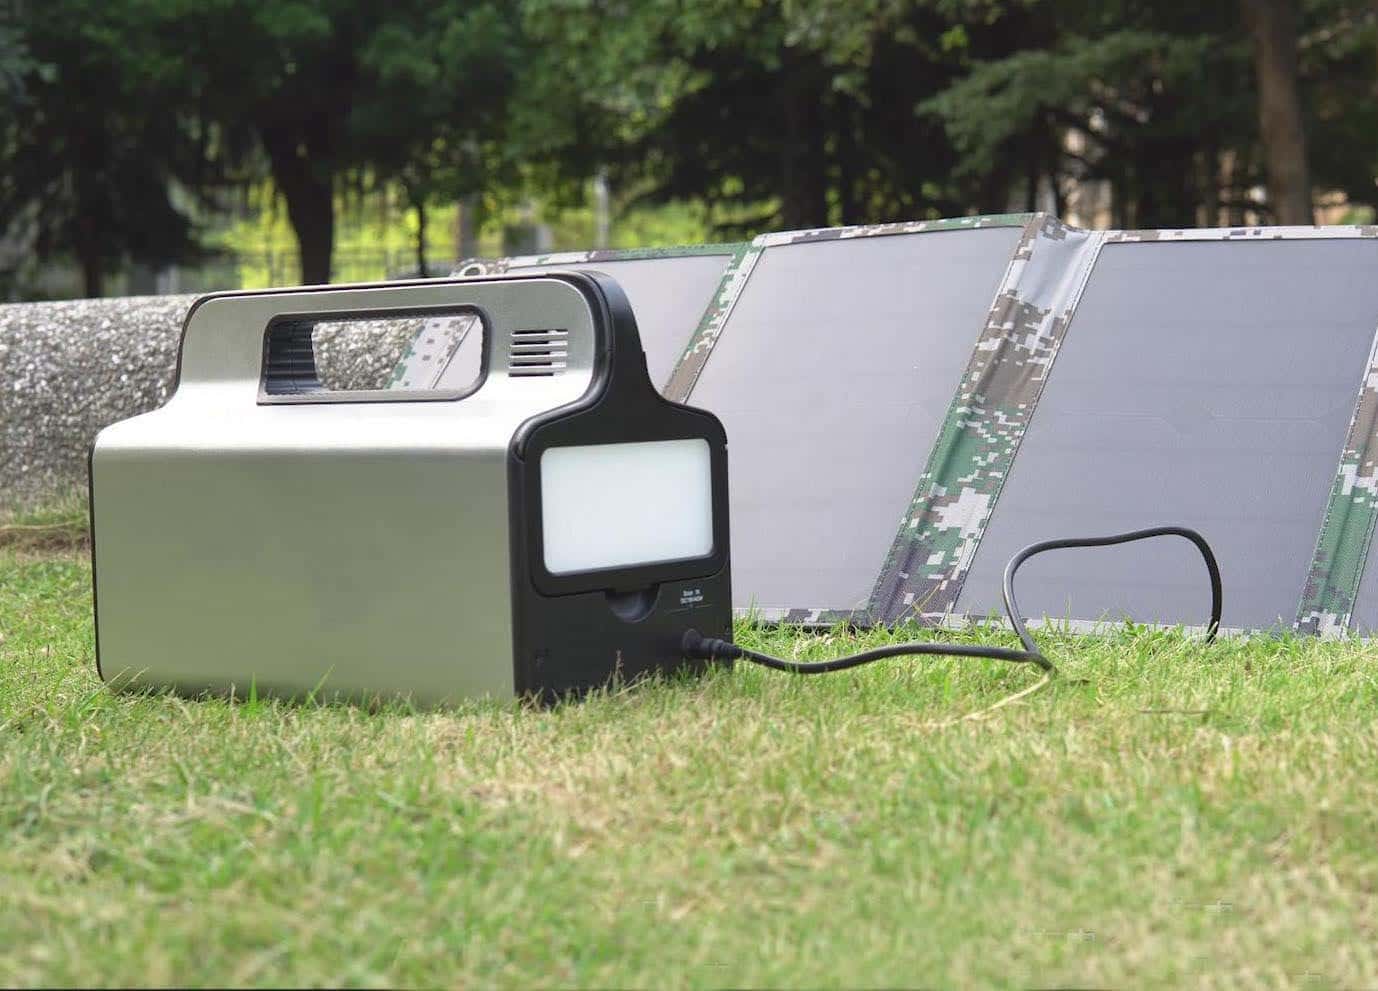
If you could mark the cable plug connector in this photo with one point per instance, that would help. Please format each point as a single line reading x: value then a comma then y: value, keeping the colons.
x: 701, y: 648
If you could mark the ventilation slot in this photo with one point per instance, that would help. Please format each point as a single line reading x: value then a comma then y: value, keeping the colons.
x: 290, y: 368
x: 538, y: 352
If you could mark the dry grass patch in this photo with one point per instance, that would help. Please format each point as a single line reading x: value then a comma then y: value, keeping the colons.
x: 63, y: 526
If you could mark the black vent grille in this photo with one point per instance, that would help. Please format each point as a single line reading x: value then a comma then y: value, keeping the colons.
x: 290, y: 368
x: 538, y: 352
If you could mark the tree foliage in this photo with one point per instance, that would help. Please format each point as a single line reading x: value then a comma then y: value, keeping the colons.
x: 829, y: 111
x: 120, y: 117
x: 88, y: 166
x: 325, y: 91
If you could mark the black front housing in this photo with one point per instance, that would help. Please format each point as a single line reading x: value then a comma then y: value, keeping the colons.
x: 573, y: 633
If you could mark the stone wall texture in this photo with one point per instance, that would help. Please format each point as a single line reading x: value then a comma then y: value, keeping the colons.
x: 69, y: 368
x: 66, y: 370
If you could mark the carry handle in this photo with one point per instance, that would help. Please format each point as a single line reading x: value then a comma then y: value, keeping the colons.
x: 443, y: 355
x: 240, y: 338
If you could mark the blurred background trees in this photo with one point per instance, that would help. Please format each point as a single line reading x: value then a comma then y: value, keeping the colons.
x: 157, y: 144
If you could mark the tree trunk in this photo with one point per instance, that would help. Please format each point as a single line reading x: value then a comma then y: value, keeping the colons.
x: 421, y: 268
x: 803, y: 163
x: 92, y: 275
x: 304, y: 174
x: 312, y: 213
x: 1209, y: 172
x: 1031, y: 170
x: 995, y: 189
x: 847, y: 160
x: 1231, y: 169
x: 86, y: 246
x: 1119, y: 213
x: 1168, y: 195
x: 466, y: 238
x: 1051, y: 149
x: 602, y: 210
x: 92, y: 206
x: 1272, y: 26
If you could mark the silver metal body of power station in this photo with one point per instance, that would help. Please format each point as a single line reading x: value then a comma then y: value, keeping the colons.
x: 386, y: 544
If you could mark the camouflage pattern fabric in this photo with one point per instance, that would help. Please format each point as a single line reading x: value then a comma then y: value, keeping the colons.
x: 1327, y: 600
x: 995, y: 401
x: 554, y: 259
x: 690, y: 365
x: 820, y: 618
x: 1244, y: 234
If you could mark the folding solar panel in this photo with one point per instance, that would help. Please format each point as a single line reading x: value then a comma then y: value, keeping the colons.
x: 832, y: 370
x: 1209, y: 381
x: 907, y: 405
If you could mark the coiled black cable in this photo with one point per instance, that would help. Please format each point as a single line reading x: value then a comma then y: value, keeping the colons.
x: 696, y: 645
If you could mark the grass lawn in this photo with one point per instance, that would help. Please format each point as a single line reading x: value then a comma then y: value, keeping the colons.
x: 1164, y: 814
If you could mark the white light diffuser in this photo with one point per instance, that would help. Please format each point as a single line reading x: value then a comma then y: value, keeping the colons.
x: 619, y: 505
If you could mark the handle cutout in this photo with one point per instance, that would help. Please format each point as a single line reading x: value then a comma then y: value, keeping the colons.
x: 388, y: 357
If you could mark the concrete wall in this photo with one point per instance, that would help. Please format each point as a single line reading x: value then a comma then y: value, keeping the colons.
x: 69, y: 368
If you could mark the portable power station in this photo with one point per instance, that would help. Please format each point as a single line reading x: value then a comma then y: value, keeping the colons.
x: 553, y: 525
